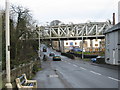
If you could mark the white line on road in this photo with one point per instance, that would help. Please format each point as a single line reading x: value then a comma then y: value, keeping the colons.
x: 75, y: 65
x: 69, y: 63
x: 53, y: 75
x: 113, y: 79
x: 61, y: 73
x: 95, y: 72
x: 82, y: 68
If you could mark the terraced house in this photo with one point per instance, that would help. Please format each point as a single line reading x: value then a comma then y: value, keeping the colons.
x: 112, y: 53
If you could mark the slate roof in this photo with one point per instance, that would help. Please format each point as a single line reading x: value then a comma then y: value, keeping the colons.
x: 114, y: 28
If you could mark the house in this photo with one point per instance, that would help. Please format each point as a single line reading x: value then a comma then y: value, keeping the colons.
x: 112, y: 52
x: 88, y: 45
x: 69, y: 44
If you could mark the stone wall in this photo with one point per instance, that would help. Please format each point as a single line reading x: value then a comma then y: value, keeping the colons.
x: 18, y: 71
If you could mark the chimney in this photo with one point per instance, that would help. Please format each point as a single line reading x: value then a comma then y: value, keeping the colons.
x: 113, y: 18
x: 118, y: 11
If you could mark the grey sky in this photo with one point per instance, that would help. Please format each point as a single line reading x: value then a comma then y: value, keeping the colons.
x: 76, y: 11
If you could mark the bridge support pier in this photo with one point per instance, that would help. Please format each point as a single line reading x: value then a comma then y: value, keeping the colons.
x: 51, y: 42
x: 61, y: 45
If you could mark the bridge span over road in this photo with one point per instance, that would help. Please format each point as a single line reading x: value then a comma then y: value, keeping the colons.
x: 55, y: 35
x: 75, y: 31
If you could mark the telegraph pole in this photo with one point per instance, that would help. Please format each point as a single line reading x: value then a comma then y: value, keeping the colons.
x: 39, y: 43
x: 7, y: 28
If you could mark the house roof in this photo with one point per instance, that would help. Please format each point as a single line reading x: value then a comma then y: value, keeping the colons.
x: 114, y: 28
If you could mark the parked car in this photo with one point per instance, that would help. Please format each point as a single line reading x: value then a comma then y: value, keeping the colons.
x: 77, y: 50
x: 99, y: 59
x: 51, y: 54
x: 56, y: 58
x: 44, y: 49
x: 93, y: 59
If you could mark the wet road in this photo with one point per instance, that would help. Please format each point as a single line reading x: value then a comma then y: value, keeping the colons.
x: 70, y: 73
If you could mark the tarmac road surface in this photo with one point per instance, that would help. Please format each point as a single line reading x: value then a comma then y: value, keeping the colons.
x: 70, y: 73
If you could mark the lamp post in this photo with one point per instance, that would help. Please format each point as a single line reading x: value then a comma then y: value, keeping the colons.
x: 7, y: 28
x: 82, y: 45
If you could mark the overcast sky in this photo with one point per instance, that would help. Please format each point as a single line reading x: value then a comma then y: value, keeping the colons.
x: 76, y: 11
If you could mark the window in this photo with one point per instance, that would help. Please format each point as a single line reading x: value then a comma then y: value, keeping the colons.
x: 66, y: 43
x: 90, y: 44
x: 71, y: 43
x: 96, y: 44
x: 108, y: 39
x: 75, y: 43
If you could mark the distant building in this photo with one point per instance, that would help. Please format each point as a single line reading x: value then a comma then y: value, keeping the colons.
x: 55, y: 45
x: 55, y: 22
x: 88, y: 45
x: 69, y: 44
x: 112, y: 52
x: 95, y: 45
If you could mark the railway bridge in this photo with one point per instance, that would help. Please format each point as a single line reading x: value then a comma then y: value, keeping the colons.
x: 59, y: 33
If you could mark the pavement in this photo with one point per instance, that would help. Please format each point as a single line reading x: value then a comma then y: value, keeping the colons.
x: 70, y: 73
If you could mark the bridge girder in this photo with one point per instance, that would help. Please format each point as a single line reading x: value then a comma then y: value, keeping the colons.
x: 75, y: 30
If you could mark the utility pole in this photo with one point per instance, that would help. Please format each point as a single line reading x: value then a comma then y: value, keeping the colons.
x: 39, y: 44
x: 7, y: 28
x: 0, y: 45
x: 82, y: 45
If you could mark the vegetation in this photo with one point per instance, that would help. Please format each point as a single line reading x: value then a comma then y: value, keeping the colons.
x: 91, y: 53
x: 22, y: 28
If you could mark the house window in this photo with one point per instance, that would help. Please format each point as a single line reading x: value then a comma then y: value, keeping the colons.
x: 96, y: 44
x: 108, y: 39
x: 75, y: 43
x: 67, y: 43
x: 71, y: 43
x: 96, y: 40
x: 90, y: 44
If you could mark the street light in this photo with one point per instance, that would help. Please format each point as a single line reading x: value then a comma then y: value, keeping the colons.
x: 82, y: 45
x: 7, y: 28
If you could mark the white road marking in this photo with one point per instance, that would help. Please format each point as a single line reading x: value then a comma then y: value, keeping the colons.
x: 82, y: 68
x: 53, y: 75
x: 75, y: 65
x: 95, y: 72
x: 61, y: 73
x: 69, y: 63
x: 113, y: 79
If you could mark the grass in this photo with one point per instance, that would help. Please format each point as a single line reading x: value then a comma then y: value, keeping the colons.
x: 0, y: 82
x: 86, y: 59
x: 39, y: 69
x: 91, y: 53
